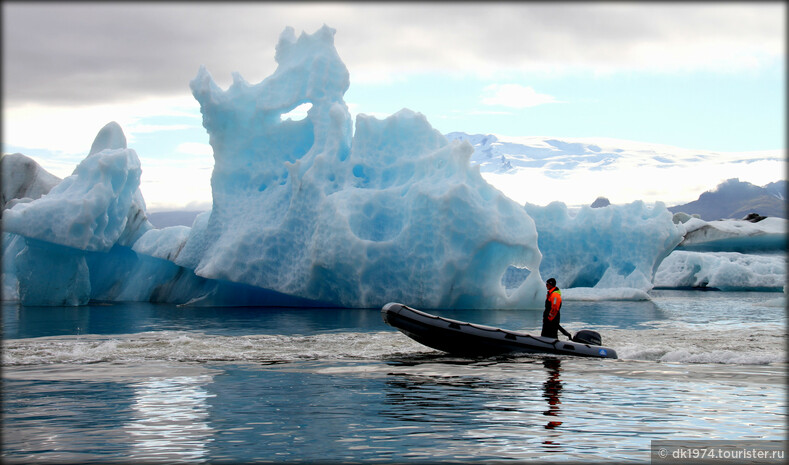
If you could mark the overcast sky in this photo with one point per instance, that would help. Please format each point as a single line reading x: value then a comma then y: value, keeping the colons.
x: 705, y: 76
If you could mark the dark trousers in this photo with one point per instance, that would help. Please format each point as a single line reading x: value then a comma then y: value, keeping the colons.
x: 550, y: 328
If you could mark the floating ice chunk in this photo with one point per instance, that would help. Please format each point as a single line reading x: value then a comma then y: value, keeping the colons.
x: 618, y: 246
x: 305, y: 209
x: 726, y: 271
x: 769, y: 234
x: 94, y: 208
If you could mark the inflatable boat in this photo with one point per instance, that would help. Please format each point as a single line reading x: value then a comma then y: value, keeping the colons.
x: 469, y: 339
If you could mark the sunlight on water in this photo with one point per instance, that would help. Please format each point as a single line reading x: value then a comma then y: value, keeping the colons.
x: 169, y: 419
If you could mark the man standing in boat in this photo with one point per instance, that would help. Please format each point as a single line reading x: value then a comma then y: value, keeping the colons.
x: 551, y: 315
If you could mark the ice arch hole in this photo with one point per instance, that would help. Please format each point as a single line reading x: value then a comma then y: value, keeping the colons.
x: 296, y: 114
x: 513, y: 277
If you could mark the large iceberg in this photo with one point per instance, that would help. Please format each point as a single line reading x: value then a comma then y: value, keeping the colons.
x: 767, y: 235
x: 301, y: 208
x: 317, y: 212
x: 724, y: 271
x: 727, y: 255
x: 394, y: 212
x: 613, y: 247
x: 98, y: 206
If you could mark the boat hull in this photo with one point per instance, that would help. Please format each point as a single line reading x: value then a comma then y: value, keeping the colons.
x: 469, y: 339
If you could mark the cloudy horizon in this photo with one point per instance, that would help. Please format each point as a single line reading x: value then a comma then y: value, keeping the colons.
x: 697, y: 76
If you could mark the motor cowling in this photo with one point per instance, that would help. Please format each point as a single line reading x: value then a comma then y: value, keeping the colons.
x: 586, y: 336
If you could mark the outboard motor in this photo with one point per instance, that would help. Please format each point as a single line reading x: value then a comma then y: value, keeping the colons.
x: 586, y: 336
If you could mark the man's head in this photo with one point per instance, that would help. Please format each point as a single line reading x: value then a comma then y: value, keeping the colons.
x: 550, y: 283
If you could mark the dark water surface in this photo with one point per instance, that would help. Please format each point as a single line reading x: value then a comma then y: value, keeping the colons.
x: 144, y: 382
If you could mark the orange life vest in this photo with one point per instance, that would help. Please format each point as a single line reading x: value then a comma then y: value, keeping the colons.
x: 555, y: 298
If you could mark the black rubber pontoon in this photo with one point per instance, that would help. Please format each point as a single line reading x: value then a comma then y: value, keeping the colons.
x: 461, y: 338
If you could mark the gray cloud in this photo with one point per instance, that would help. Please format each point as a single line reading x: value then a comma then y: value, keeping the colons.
x: 93, y: 52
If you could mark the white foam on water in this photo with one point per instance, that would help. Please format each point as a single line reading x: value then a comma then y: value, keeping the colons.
x: 185, y: 346
x: 756, y: 344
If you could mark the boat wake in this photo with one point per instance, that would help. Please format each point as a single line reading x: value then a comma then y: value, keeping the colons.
x: 758, y: 344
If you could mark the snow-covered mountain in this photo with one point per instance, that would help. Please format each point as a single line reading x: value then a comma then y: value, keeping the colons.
x: 497, y: 154
x: 542, y: 169
x: 736, y: 199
